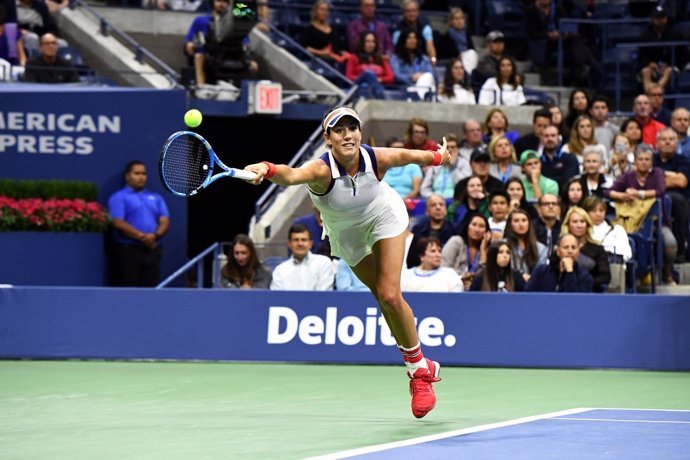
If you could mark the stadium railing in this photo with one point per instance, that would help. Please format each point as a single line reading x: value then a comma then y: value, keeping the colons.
x: 141, y: 54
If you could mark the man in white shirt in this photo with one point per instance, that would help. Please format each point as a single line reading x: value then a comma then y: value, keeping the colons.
x: 304, y: 271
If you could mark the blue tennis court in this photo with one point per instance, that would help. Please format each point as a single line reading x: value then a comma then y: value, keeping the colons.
x: 578, y: 434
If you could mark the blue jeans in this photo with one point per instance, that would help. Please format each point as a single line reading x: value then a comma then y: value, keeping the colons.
x: 369, y: 85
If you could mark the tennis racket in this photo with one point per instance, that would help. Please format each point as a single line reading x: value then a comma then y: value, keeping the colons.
x: 187, y: 164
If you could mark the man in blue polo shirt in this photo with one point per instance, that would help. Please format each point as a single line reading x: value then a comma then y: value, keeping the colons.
x: 140, y: 218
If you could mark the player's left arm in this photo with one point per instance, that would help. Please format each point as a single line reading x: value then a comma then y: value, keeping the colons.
x: 387, y: 157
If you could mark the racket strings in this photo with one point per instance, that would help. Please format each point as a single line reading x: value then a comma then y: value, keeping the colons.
x: 186, y: 164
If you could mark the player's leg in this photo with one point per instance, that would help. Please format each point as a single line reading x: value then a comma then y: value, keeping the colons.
x: 381, y: 271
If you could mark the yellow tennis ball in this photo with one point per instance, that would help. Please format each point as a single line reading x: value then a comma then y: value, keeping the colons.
x: 193, y: 118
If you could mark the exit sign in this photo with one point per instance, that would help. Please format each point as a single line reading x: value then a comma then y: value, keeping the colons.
x: 268, y: 98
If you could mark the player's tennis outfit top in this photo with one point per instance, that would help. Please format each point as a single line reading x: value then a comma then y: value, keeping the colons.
x: 358, y: 211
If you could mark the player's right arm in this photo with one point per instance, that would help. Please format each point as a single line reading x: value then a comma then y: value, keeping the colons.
x: 315, y: 173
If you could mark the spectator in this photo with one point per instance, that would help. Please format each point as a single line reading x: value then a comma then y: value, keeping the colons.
x: 676, y: 173
x: 215, y: 53
x: 367, y: 21
x: 314, y: 224
x: 468, y: 200
x: 518, y: 198
x: 604, y: 130
x: 542, y: 22
x: 480, y: 162
x: 243, y: 269
x: 429, y: 275
x: 320, y: 39
x: 498, y: 275
x: 655, y: 93
x: 264, y: 15
x: 593, y: 180
x: 505, y: 87
x: 411, y: 67
x: 558, y: 120
x: 471, y: 138
x: 680, y: 122
x: 656, y: 61
x: 486, y: 67
x: 499, y: 208
x: 613, y: 237
x: 547, y: 226
x: 441, y: 179
x: 571, y: 195
x: 435, y: 224
x: 346, y: 280
x: 581, y: 136
x: 456, y: 88
x: 456, y: 42
x: 640, y: 184
x: 304, y: 271
x: 406, y: 180
x: 622, y: 157
x: 417, y: 135
x: 578, y: 105
x: 563, y: 273
x: 368, y: 68
x: 140, y: 219
x: 633, y: 131
x: 496, y: 125
x: 411, y: 20
x: 531, y: 141
x: 34, y: 16
x: 534, y: 183
x: 466, y: 252
x: 556, y: 164
x: 11, y: 44
x: 504, y: 163
x: 593, y: 257
x: 643, y: 114
x: 49, y: 67
x: 526, y: 251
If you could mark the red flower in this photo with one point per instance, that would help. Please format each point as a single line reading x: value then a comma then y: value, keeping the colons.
x: 57, y: 215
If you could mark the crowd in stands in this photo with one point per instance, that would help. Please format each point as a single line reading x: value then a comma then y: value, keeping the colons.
x: 555, y: 208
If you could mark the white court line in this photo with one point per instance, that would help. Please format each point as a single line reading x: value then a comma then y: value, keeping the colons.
x: 448, y: 434
x: 617, y: 420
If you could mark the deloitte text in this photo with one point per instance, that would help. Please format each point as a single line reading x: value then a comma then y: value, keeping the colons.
x: 284, y: 326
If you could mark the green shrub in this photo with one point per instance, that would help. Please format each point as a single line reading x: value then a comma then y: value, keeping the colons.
x: 48, y: 189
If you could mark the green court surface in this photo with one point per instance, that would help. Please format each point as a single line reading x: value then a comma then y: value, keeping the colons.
x: 193, y: 410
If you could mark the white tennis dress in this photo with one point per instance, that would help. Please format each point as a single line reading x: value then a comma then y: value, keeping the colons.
x: 358, y: 211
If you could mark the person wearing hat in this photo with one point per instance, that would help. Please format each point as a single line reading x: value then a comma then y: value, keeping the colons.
x: 486, y: 67
x: 480, y: 162
x: 656, y: 62
x: 534, y: 183
x: 366, y: 221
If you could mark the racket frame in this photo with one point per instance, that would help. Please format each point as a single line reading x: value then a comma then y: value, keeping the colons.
x: 210, y: 178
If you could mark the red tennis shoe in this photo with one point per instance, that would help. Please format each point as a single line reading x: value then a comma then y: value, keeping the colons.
x: 422, y: 389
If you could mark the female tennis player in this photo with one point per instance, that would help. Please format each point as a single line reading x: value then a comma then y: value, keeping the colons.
x: 366, y: 220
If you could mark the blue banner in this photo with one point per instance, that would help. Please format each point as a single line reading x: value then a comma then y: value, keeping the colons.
x: 469, y: 329
x: 91, y: 133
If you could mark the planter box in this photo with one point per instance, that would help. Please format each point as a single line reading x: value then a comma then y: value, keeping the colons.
x: 52, y: 259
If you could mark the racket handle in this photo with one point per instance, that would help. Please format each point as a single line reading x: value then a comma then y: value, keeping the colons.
x: 242, y: 174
